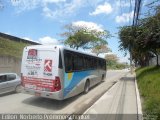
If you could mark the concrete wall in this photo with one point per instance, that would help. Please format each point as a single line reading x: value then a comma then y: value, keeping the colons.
x: 10, y: 64
x: 153, y: 61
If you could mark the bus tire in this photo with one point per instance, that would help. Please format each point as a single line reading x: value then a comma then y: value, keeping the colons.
x: 86, y: 87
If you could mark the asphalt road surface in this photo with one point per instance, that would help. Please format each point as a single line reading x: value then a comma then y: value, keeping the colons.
x: 24, y: 103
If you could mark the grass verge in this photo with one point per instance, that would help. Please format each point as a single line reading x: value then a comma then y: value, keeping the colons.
x: 148, y: 79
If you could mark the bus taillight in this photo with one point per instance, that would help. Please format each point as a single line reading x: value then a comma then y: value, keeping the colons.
x: 56, y: 85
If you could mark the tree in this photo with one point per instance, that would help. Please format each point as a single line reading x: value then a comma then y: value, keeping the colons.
x: 144, y: 39
x: 148, y: 38
x: 129, y: 36
x: 152, y: 36
x: 111, y: 57
x: 79, y: 39
x: 84, y: 37
x: 101, y: 49
x: 112, y: 62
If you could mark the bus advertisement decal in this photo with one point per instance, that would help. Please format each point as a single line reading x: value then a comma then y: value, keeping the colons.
x: 75, y: 79
x: 37, y: 83
x: 48, y: 67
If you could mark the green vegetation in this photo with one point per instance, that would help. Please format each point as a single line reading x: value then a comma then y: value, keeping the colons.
x: 100, y: 49
x: 116, y: 66
x: 11, y: 48
x: 142, y: 41
x: 112, y: 62
x: 149, y: 87
x: 83, y: 37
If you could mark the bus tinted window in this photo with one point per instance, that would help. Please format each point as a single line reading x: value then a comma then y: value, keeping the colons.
x: 85, y: 62
x: 94, y: 63
x: 77, y: 61
x: 80, y: 63
x: 88, y: 62
x: 104, y: 64
x: 68, y: 62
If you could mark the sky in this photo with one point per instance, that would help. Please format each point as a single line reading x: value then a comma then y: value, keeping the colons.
x: 44, y: 20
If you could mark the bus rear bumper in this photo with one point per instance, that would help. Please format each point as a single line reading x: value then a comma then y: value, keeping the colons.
x: 52, y: 95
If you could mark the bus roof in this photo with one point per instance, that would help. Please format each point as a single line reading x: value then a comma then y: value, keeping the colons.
x: 60, y: 47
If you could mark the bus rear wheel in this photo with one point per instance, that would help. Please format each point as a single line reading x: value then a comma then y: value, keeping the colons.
x: 86, y: 87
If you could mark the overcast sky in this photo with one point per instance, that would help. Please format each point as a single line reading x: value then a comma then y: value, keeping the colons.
x: 43, y: 20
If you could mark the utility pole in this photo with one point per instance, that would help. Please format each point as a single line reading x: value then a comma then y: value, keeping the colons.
x: 135, y: 22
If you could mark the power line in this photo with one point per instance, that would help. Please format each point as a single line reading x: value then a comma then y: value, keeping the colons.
x: 137, y: 8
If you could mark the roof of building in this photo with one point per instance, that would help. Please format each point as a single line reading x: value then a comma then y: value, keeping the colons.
x: 17, y: 39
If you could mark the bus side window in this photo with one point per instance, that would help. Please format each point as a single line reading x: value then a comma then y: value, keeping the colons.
x: 68, y: 62
x: 93, y: 63
x: 80, y: 62
x: 75, y: 62
x: 90, y: 62
x: 85, y: 62
x: 96, y: 63
x: 104, y: 66
x: 99, y: 64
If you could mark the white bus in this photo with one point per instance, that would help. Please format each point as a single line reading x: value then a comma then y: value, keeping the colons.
x: 56, y: 72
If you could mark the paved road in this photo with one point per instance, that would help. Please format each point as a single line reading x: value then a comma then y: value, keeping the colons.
x: 118, y: 103
x: 24, y: 103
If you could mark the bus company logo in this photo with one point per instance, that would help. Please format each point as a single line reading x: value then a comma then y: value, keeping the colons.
x: 48, y: 66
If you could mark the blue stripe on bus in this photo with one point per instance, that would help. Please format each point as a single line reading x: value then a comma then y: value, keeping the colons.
x: 76, y: 77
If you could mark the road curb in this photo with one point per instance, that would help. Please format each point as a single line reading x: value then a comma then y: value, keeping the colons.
x: 139, y: 107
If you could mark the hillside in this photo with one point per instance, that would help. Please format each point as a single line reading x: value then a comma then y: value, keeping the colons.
x: 11, y: 48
